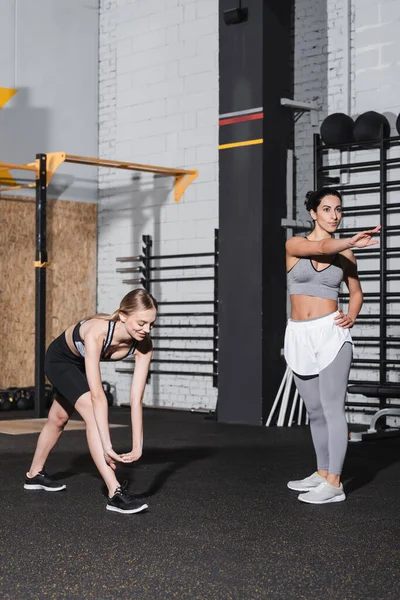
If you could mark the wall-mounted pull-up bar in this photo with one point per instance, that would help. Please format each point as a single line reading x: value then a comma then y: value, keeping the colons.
x: 183, y: 177
x: 44, y: 168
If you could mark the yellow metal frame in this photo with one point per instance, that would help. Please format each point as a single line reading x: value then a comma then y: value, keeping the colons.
x: 5, y: 167
x: 183, y: 177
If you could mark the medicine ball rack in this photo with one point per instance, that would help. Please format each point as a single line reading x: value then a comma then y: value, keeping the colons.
x: 387, y: 387
x: 148, y: 267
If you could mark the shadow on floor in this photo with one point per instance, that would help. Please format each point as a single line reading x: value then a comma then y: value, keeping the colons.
x: 365, y: 460
x: 173, y: 459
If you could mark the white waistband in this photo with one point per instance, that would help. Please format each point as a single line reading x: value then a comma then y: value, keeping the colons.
x: 312, y: 323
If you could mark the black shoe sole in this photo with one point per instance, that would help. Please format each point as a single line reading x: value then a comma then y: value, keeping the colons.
x: 38, y: 486
x: 127, y: 512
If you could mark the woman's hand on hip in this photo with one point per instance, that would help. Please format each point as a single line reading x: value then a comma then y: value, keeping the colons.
x: 343, y: 320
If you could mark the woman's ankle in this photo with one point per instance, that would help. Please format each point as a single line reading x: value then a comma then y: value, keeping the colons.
x: 333, y: 479
x: 112, y: 489
x: 32, y: 473
x: 35, y: 468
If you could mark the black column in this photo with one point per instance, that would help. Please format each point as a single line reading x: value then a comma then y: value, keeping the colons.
x: 278, y: 138
x: 40, y: 287
x: 255, y: 72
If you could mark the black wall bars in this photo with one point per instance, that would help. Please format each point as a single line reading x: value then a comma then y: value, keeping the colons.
x: 148, y: 269
x: 372, y: 202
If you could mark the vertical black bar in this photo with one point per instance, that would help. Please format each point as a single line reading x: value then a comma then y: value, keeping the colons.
x: 40, y: 287
x: 148, y: 243
x: 317, y: 160
x: 215, y: 340
x: 382, y: 266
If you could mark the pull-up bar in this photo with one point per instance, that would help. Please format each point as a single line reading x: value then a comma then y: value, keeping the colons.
x: 44, y: 168
x: 6, y: 178
x: 183, y: 177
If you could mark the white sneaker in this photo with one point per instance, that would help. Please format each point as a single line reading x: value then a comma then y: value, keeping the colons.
x: 307, y: 484
x: 323, y: 494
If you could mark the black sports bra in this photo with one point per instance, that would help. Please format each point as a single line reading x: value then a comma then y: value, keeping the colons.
x: 80, y: 346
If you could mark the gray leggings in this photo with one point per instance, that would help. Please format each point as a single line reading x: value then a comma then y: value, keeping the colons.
x: 324, y: 397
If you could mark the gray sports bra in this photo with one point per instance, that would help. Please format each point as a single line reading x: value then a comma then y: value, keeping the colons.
x: 304, y: 279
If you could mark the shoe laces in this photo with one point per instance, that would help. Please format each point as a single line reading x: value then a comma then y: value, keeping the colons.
x: 123, y: 491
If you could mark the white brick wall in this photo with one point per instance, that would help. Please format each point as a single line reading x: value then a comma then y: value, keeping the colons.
x: 320, y: 78
x: 377, y: 63
x: 319, y: 75
x: 318, y: 56
x: 158, y: 73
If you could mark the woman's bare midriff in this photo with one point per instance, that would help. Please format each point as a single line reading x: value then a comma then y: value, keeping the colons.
x: 311, y: 307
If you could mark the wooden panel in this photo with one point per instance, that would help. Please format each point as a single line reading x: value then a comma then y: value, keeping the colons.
x: 71, y: 278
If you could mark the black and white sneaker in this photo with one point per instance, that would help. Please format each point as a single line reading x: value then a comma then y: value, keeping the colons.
x: 42, y: 481
x: 123, y: 502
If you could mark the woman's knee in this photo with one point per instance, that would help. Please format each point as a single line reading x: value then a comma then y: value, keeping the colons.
x: 84, y: 407
x: 58, y: 418
x: 316, y: 415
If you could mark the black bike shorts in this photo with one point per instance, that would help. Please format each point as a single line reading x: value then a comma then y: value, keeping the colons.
x: 65, y: 371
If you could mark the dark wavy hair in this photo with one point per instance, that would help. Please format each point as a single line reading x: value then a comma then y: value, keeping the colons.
x: 313, y: 199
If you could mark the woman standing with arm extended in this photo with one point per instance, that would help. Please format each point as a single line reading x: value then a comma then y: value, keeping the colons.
x: 318, y: 344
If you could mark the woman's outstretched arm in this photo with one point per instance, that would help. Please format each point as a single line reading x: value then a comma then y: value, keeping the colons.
x: 301, y: 247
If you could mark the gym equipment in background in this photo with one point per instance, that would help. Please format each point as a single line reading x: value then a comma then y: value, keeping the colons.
x: 183, y: 323
x: 337, y: 129
x: 23, y: 398
x: 368, y: 127
x: 372, y: 200
x: 108, y: 393
x: 6, y: 401
x: 398, y: 124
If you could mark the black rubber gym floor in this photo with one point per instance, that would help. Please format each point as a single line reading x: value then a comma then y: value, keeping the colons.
x: 221, y: 524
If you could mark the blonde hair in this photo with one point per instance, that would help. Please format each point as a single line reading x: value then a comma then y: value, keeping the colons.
x: 134, y: 301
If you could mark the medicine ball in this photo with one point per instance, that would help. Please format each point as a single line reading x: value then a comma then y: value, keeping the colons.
x: 368, y: 127
x: 337, y: 129
x: 398, y: 124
